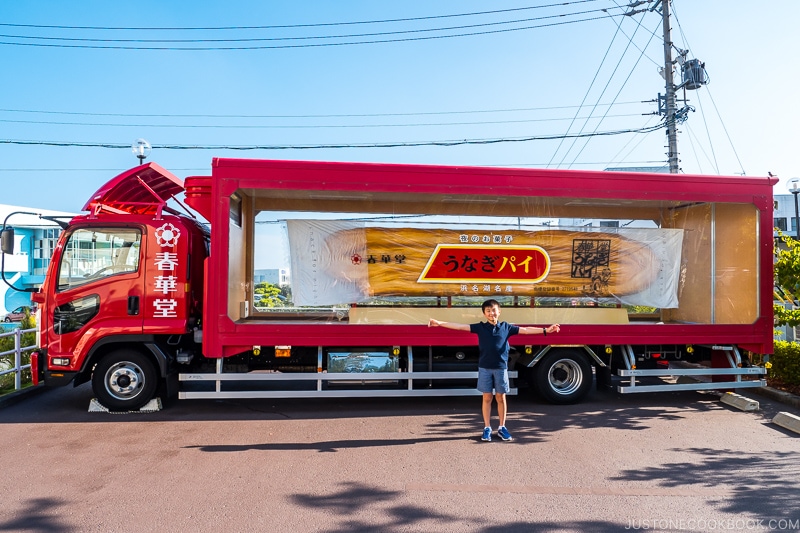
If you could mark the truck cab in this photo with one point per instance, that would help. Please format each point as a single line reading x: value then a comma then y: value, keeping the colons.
x: 124, y: 292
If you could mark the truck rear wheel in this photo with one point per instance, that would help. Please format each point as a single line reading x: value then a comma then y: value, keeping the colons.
x: 563, y: 376
x: 124, y: 380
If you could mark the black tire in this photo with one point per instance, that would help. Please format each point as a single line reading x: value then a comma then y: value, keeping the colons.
x: 563, y: 376
x: 124, y: 380
x: 7, y: 319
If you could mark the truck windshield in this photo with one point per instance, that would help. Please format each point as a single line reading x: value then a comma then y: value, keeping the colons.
x: 93, y: 254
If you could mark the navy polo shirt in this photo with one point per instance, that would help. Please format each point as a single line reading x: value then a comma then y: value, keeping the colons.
x: 493, y: 343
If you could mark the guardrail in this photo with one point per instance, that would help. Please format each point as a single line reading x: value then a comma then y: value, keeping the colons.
x: 17, y: 352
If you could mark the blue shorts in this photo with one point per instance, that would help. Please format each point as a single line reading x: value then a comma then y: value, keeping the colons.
x: 493, y: 380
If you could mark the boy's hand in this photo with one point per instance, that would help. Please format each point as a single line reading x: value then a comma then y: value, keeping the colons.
x: 432, y: 323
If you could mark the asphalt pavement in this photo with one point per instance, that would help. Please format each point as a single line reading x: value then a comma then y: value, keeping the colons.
x: 678, y: 461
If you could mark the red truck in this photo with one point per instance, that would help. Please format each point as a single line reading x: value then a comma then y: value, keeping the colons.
x: 644, y: 272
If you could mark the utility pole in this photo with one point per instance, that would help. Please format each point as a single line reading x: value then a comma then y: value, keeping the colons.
x: 671, y: 107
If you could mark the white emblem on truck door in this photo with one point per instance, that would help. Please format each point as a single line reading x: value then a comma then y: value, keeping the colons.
x: 167, y: 237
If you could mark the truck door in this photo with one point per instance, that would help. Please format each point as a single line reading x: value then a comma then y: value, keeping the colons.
x: 101, y: 282
x: 168, y: 282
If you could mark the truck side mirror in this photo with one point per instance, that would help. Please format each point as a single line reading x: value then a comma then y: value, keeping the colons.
x: 7, y: 241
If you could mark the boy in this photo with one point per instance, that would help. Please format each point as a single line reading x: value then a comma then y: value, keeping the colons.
x: 493, y: 360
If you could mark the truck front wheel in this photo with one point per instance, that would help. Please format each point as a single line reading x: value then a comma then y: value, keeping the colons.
x: 563, y: 376
x: 124, y: 380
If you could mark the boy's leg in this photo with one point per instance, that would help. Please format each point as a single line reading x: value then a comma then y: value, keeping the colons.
x: 502, y: 387
x: 487, y: 409
x: 502, y: 407
x: 486, y: 387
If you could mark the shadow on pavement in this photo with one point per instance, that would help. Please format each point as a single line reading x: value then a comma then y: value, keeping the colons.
x: 755, y: 481
x: 358, y: 508
x: 324, y: 446
x: 38, y: 514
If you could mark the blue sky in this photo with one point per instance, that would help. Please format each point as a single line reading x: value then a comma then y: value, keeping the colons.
x: 543, y: 80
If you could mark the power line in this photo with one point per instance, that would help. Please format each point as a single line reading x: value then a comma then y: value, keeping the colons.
x: 727, y: 135
x: 651, y: 32
x: 305, y: 45
x: 585, y: 96
x: 616, y: 160
x: 400, y: 144
x: 694, y: 146
x: 301, y: 38
x: 633, y: 68
x: 708, y: 134
x: 602, y: 93
x: 290, y: 26
x: 88, y: 169
x: 341, y: 115
x: 719, y: 116
x: 304, y: 126
x: 202, y: 169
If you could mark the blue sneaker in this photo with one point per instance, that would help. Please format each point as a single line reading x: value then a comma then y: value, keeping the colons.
x: 487, y: 434
x: 503, y: 433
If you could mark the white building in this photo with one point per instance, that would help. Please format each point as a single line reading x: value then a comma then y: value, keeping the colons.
x: 276, y: 276
x: 34, y: 241
x: 785, y: 217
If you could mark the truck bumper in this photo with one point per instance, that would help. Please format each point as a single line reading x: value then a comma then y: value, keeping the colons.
x: 58, y: 379
x: 41, y: 374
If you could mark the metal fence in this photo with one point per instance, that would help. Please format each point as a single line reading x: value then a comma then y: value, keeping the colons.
x: 11, y: 360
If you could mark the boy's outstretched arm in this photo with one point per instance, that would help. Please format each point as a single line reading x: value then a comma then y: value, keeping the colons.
x: 433, y: 323
x: 532, y: 330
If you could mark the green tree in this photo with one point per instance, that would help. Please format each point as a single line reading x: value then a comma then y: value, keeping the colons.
x: 270, y: 295
x: 787, y: 281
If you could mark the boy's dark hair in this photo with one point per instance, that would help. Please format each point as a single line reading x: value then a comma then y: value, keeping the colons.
x: 489, y: 303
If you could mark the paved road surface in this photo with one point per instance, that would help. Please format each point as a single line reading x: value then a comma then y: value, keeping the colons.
x: 675, y: 461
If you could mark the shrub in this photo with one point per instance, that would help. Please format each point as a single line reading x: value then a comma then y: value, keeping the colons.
x: 786, y: 362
